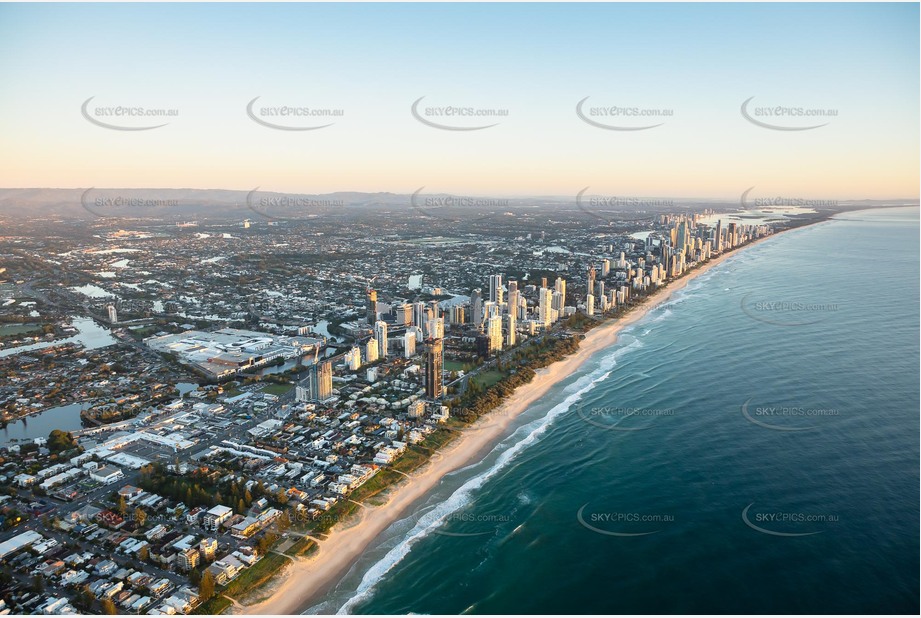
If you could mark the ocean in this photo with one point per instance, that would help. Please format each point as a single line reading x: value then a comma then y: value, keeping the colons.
x: 750, y: 446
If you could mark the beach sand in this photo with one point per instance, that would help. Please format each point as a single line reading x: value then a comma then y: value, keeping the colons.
x: 303, y: 583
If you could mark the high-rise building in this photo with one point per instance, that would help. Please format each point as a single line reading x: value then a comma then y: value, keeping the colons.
x: 512, y: 306
x: 188, y: 559
x: 419, y: 315
x: 409, y: 343
x: 511, y: 325
x: 353, y: 358
x: 433, y: 364
x: 495, y: 289
x: 560, y: 286
x: 113, y: 314
x: 380, y: 333
x: 545, y: 300
x: 476, y: 307
x: 319, y: 383
x: 494, y: 333
x: 435, y: 328
x: 718, y: 236
x: 404, y: 314
x: 457, y: 314
x: 591, y: 281
x: 590, y: 304
x: 605, y: 267
x: 372, y: 350
x: 372, y: 306
x: 682, y: 236
x: 208, y: 548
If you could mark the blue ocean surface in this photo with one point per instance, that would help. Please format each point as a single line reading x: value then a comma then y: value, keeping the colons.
x: 750, y: 446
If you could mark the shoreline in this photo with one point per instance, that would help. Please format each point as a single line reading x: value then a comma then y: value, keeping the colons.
x: 302, y: 584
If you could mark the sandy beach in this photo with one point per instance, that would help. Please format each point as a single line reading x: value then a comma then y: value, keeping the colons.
x: 304, y: 582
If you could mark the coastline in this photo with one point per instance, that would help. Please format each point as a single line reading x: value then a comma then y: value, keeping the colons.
x: 301, y: 584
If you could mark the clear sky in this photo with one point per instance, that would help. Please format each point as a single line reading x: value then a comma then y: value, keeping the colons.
x: 372, y: 61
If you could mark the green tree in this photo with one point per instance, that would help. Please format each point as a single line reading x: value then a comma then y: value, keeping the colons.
x: 85, y: 598
x: 140, y: 516
x: 59, y: 440
x: 206, y: 586
x: 122, y: 506
x: 108, y: 607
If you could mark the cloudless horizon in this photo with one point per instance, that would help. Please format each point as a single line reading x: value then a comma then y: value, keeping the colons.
x: 538, y: 61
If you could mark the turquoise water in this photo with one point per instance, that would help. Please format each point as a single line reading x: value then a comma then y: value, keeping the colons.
x: 750, y: 446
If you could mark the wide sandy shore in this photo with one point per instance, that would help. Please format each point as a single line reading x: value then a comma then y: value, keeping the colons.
x: 303, y: 583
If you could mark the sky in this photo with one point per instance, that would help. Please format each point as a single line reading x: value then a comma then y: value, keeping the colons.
x: 692, y: 64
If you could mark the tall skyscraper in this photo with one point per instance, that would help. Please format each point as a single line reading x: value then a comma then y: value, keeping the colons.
x: 419, y: 315
x: 409, y: 343
x: 380, y: 333
x: 512, y: 306
x: 371, y: 350
x: 495, y: 289
x: 545, y: 309
x: 457, y: 314
x: 718, y: 236
x: 436, y: 328
x: 433, y: 363
x: 560, y: 286
x: 372, y: 306
x: 113, y: 314
x: 353, y: 358
x: 511, y: 325
x: 591, y: 281
x: 476, y: 307
x: 404, y: 314
x: 319, y: 383
x: 682, y: 236
x: 494, y: 333
x: 590, y: 304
